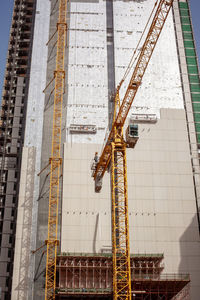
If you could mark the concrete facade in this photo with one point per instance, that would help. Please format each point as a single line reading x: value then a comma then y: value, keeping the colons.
x: 162, y: 207
x: 22, y: 278
x: 24, y: 269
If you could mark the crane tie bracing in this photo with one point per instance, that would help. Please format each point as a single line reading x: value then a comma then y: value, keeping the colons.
x: 55, y: 160
x: 114, y: 153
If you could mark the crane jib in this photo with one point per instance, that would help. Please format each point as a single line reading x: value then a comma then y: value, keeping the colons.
x: 136, y: 79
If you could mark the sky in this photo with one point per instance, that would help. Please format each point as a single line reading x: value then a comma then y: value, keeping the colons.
x: 6, y: 7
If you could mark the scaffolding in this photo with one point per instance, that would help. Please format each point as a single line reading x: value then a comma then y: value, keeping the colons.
x: 90, y: 276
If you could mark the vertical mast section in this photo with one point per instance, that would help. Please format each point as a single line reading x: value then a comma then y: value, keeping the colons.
x: 56, y: 160
x: 120, y: 223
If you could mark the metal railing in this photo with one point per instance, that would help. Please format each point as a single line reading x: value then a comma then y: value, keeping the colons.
x: 162, y: 277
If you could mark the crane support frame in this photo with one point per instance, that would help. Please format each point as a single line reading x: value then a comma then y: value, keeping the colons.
x: 120, y: 223
x: 56, y: 160
x: 135, y: 81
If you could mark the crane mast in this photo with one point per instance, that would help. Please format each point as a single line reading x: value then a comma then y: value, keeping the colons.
x: 55, y: 160
x: 114, y: 154
x: 120, y: 226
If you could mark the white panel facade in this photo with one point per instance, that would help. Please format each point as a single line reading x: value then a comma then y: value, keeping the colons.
x: 35, y: 107
x: 87, y: 70
x: 33, y: 138
x: 86, y: 215
x: 161, y: 85
x: 162, y: 208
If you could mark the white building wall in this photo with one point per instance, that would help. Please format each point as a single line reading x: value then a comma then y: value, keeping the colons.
x: 87, y: 69
x: 86, y: 216
x: 23, y: 271
x: 162, y: 206
x: 161, y: 85
x: 87, y: 64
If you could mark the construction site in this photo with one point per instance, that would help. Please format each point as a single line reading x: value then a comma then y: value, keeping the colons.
x: 99, y: 152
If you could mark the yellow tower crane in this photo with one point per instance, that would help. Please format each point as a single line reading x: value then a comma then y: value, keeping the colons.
x: 114, y: 154
x: 55, y: 160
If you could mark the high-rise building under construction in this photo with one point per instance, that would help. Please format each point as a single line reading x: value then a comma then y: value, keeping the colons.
x: 163, y: 168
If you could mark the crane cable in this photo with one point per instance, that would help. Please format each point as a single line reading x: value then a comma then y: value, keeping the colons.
x: 133, y: 60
